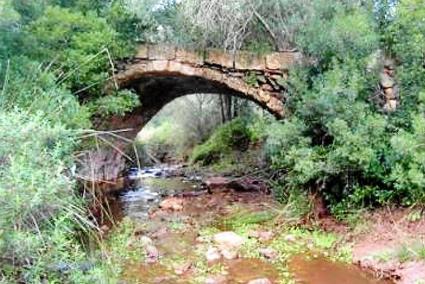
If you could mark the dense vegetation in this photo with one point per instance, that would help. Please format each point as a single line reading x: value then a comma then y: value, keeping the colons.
x: 55, y: 56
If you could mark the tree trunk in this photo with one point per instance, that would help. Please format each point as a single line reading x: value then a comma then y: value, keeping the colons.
x: 222, y: 107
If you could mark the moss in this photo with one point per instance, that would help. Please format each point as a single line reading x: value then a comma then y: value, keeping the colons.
x: 234, y: 135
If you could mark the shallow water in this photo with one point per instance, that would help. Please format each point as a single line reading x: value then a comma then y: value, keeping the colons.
x: 147, y: 192
x: 323, y: 271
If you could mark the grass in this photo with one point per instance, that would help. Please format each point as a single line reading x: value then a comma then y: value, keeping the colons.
x: 414, y: 251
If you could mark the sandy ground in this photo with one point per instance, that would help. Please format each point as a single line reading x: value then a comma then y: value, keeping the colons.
x: 382, y: 239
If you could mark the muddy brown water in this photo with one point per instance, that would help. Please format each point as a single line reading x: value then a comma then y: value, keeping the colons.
x: 139, y: 202
x: 323, y: 271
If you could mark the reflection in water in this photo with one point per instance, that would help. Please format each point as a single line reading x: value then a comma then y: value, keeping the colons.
x: 323, y: 271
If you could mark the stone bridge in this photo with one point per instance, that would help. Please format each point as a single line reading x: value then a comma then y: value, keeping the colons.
x: 162, y: 73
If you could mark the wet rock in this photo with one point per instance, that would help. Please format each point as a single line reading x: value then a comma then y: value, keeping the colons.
x: 228, y: 240
x: 268, y: 253
x: 216, y: 280
x: 260, y: 281
x: 172, y: 204
x: 212, y: 255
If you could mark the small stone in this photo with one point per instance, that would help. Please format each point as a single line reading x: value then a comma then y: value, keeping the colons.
x: 145, y: 241
x: 260, y: 281
x: 262, y: 236
x: 228, y: 240
x: 152, y: 253
x: 290, y: 238
x: 229, y: 254
x: 268, y: 253
x: 216, y: 280
x: 212, y: 255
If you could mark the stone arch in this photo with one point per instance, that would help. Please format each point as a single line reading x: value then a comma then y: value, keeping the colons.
x: 162, y: 73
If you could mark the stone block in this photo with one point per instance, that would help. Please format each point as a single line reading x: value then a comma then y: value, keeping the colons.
x: 190, y: 56
x: 219, y: 57
x: 162, y: 52
x: 212, y: 74
x: 249, y: 61
x: 280, y: 60
x: 143, y: 52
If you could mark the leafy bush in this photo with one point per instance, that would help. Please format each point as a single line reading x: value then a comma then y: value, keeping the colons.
x: 76, y: 44
x: 231, y: 136
x: 114, y: 104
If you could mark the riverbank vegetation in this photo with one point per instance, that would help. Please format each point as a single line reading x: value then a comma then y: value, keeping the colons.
x: 354, y: 133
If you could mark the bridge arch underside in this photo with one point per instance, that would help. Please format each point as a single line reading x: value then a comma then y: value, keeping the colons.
x: 157, y: 89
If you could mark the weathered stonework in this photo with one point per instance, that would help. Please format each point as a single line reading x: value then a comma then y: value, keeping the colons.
x: 162, y: 73
x: 217, y: 72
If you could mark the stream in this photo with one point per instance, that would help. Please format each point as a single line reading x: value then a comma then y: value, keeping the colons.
x: 172, y: 218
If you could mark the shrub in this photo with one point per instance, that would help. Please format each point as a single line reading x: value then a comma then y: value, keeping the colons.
x: 231, y: 136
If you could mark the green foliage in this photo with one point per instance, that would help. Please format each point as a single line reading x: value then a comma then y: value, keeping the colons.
x: 114, y: 104
x: 36, y: 91
x: 408, y: 39
x: 335, y: 142
x: 40, y: 212
x: 76, y: 44
x: 231, y: 136
x: 338, y: 30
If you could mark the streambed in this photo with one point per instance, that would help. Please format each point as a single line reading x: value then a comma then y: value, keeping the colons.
x: 180, y: 237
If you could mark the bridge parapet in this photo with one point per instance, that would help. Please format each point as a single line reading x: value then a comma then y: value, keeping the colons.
x: 276, y: 62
